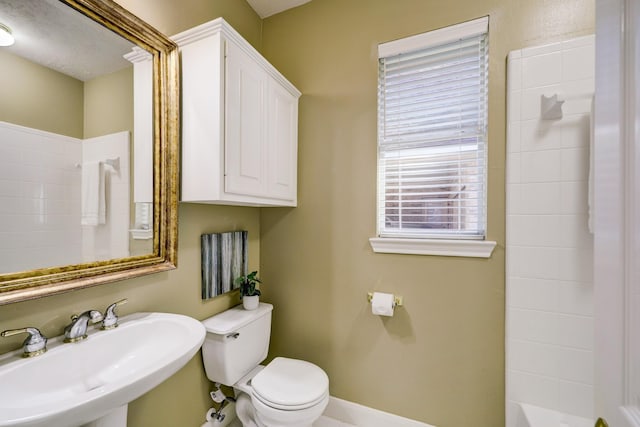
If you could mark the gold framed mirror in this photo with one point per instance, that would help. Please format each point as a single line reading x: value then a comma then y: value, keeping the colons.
x: 50, y: 278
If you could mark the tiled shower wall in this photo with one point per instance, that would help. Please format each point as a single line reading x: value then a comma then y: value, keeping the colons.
x: 39, y: 199
x: 549, y: 337
x: 109, y: 240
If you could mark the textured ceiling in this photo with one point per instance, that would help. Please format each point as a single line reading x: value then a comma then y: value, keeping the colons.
x: 54, y: 35
x: 266, y: 8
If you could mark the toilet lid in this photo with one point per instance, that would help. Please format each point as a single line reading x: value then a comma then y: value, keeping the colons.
x: 290, y: 383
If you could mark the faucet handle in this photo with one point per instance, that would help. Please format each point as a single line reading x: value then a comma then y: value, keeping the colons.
x: 94, y: 316
x: 34, y: 345
x: 110, y: 320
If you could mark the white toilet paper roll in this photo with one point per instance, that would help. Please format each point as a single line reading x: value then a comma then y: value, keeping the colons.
x: 382, y: 304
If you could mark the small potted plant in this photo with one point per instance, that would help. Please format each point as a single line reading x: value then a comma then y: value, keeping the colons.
x: 249, y: 294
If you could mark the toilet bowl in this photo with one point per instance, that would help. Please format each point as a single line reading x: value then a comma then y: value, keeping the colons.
x: 284, y: 393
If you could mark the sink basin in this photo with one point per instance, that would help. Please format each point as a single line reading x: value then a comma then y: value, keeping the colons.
x: 76, y: 384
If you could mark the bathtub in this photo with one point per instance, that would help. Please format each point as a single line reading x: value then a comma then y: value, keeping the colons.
x: 535, y: 416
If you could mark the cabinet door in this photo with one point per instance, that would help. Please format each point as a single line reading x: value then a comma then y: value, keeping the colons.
x: 283, y: 142
x: 245, y: 124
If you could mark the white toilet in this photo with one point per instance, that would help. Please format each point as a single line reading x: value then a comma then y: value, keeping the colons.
x: 286, y: 392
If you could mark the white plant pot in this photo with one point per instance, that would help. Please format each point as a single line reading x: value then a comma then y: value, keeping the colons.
x: 250, y: 303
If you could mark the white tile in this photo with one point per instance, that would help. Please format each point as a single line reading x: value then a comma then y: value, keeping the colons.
x: 533, y: 358
x: 579, y: 41
x: 514, y: 74
x: 541, y: 166
x: 510, y: 230
x: 514, y: 54
x: 513, y: 137
x: 573, y: 331
x: 534, y: 389
x: 575, y: 233
x: 11, y: 153
x: 542, y: 70
x: 15, y: 223
x: 536, y: 326
x: 33, y: 190
x: 539, y: 135
x: 548, y: 231
x: 9, y: 205
x: 513, y: 168
x: 575, y: 298
x: 33, y: 206
x: 40, y: 157
x: 50, y: 239
x: 573, y: 364
x: 575, y: 164
x: 536, y: 230
x: 11, y: 240
x: 576, y: 131
x: 541, y: 50
x: 540, y: 263
x: 541, y: 198
x: 532, y: 294
x: 10, y: 170
x: 513, y: 413
x: 514, y: 199
x: 576, y: 399
x: 56, y: 191
x: 578, y: 63
x: 574, y: 197
x: 515, y: 230
x: 58, y: 207
x: 575, y: 264
x: 10, y: 188
x: 11, y: 261
x: 514, y: 106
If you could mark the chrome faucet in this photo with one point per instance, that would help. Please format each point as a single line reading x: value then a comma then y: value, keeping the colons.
x: 34, y: 345
x: 77, y: 329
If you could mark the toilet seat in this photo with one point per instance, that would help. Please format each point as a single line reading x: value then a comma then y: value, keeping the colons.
x: 290, y: 384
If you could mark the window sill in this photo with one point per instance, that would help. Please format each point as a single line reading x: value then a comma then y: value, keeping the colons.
x: 458, y: 248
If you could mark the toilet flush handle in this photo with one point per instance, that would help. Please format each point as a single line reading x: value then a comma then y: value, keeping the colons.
x: 234, y: 335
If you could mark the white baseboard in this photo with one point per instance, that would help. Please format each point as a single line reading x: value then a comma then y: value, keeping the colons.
x: 343, y: 411
x: 363, y: 416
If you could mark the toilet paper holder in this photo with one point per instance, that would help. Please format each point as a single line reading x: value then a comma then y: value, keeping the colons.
x: 397, y: 299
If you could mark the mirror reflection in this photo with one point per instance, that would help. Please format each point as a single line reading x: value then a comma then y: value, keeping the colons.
x: 75, y: 140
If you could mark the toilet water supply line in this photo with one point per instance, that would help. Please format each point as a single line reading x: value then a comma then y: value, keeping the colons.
x: 218, y: 396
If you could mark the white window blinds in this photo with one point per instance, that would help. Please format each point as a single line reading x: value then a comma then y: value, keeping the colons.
x: 432, y: 118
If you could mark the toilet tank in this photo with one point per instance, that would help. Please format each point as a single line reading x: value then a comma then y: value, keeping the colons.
x: 237, y: 341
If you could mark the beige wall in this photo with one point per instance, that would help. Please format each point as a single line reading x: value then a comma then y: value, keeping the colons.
x: 183, y: 399
x: 39, y: 98
x: 440, y: 359
x: 108, y: 104
x: 44, y: 99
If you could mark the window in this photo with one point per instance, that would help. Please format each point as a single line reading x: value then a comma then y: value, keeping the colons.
x: 432, y: 134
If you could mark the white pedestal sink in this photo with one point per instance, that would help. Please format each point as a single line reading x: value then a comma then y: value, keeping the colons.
x: 90, y: 383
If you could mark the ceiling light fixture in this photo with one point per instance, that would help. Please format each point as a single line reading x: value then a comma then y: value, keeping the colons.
x: 6, y: 38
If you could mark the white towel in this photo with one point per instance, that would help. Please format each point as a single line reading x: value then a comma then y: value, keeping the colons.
x: 93, y: 194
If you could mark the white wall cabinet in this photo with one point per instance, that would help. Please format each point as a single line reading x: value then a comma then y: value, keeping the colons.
x: 239, y: 122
